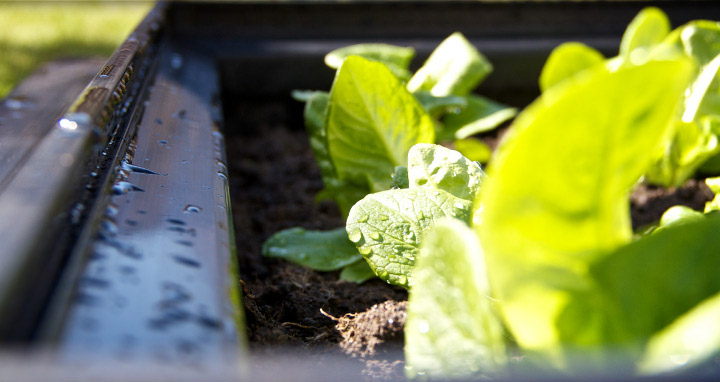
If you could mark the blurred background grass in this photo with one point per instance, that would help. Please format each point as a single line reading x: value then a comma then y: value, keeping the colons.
x: 35, y: 32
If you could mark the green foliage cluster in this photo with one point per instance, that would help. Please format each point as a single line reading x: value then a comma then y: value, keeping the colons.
x: 363, y: 133
x: 538, y: 257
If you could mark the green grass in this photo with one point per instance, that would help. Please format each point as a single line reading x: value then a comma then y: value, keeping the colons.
x: 33, y: 33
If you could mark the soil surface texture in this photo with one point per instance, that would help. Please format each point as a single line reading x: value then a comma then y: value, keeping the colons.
x: 273, y: 181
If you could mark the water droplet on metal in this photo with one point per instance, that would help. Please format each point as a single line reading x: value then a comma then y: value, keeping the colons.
x: 137, y: 169
x: 111, y: 210
x: 121, y: 188
x: 186, y: 261
x: 192, y: 209
x: 176, y: 61
x: 67, y: 125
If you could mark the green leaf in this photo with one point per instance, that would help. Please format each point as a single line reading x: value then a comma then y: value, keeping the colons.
x: 692, y: 339
x: 315, y: 109
x: 387, y: 227
x: 556, y: 198
x: 679, y: 215
x: 318, y: 250
x: 357, y: 272
x: 344, y: 193
x: 473, y: 149
x: 567, y: 60
x: 400, y: 177
x: 437, y: 106
x: 659, y: 278
x: 372, y: 123
x: 434, y: 166
x: 691, y: 146
x: 480, y: 115
x: 714, y: 184
x: 647, y: 29
x: 452, y: 329
x: 455, y: 67
x: 397, y: 58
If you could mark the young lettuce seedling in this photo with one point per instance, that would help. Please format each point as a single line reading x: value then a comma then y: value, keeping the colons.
x: 362, y: 130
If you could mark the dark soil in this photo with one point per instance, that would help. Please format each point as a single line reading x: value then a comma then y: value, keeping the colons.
x: 649, y: 202
x: 274, y: 181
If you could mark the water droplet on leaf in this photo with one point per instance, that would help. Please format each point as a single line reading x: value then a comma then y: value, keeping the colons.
x: 355, y: 235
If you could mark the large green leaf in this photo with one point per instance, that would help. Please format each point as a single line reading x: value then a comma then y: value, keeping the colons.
x: 372, y: 123
x: 480, y: 115
x: 647, y: 29
x: 659, y: 279
x: 692, y: 339
x: 387, y: 227
x: 452, y: 329
x: 397, y: 58
x: 556, y: 198
x: 567, y: 60
x: 438, y: 167
x: 319, y: 250
x: 455, y: 67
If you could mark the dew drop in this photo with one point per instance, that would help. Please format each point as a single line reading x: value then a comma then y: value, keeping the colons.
x: 423, y: 327
x: 355, y: 235
x: 363, y: 218
x: 383, y: 218
x: 402, y: 280
x: 365, y: 250
x: 375, y: 235
x: 192, y: 209
x: 384, y: 274
x: 680, y: 359
x: 420, y: 215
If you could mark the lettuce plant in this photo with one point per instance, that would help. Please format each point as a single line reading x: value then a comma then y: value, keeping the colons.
x: 362, y: 131
x: 574, y: 290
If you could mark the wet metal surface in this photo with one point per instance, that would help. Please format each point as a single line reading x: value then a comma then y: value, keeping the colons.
x: 159, y: 280
x: 49, y: 195
x: 30, y: 111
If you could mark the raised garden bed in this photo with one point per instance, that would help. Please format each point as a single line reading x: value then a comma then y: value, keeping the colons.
x: 245, y: 59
